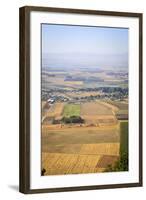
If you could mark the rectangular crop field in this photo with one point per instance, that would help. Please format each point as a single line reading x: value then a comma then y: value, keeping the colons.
x: 55, y: 110
x: 71, y: 110
x: 124, y: 137
x: 119, y: 105
x: 87, y: 135
x: 100, y: 149
x: 95, y: 108
x: 56, y: 163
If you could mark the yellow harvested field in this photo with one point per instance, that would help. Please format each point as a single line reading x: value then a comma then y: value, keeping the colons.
x: 101, y: 149
x: 58, y: 109
x: 79, y: 135
x: 50, y: 126
x: 98, y: 170
x: 95, y: 108
x: 77, y: 129
x: 55, y: 110
x: 98, y: 113
x: 113, y: 107
x: 96, y: 117
x: 91, y: 164
x: 100, y: 119
x: 56, y: 163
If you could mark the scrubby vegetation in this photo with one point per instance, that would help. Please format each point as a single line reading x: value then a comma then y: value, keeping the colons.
x: 120, y: 165
x: 43, y: 172
x: 72, y: 119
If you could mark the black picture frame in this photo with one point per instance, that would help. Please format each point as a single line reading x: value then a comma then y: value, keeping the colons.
x: 24, y: 77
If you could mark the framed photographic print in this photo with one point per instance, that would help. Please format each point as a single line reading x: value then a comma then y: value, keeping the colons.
x: 80, y: 99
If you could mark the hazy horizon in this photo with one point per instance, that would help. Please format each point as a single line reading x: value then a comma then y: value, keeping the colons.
x: 79, y: 46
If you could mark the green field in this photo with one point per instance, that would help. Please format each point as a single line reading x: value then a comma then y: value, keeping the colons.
x: 71, y: 110
x: 124, y: 137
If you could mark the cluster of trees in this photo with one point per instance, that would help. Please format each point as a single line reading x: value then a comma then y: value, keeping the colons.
x: 120, y: 165
x: 69, y: 120
x: 43, y: 171
x: 114, y: 90
x: 72, y: 119
x: 103, y: 89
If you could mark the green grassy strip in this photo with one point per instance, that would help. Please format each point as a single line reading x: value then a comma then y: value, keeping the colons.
x: 71, y: 110
x: 124, y: 137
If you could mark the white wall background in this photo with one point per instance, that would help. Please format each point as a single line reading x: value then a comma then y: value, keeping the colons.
x: 9, y: 99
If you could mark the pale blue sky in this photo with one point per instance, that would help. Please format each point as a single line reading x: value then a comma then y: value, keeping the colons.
x: 80, y: 45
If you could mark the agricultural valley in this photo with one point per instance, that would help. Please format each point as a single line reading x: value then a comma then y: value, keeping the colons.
x: 84, y: 120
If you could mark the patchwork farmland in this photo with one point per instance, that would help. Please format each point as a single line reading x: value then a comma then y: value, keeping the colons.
x: 85, y: 99
x: 88, y: 147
